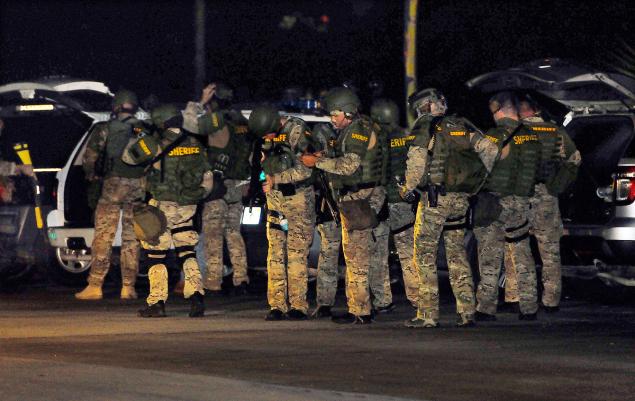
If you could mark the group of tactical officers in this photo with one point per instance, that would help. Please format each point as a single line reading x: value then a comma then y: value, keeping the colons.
x: 357, y: 180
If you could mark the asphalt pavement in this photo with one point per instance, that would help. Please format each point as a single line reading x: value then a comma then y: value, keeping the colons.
x: 53, y: 347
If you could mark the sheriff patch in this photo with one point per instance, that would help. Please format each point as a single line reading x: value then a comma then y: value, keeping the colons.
x: 491, y: 138
x: 400, y: 142
x: 144, y: 147
x: 185, y: 151
x: 280, y: 138
x: 543, y: 129
x: 520, y: 139
x: 241, y: 129
x: 457, y: 133
x: 359, y: 137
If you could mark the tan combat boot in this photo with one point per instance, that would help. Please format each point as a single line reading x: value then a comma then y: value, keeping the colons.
x: 128, y: 292
x: 90, y: 293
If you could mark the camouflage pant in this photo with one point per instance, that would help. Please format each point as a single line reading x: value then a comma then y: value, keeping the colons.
x: 328, y: 262
x: 429, y: 226
x: 287, y: 268
x: 181, y: 234
x: 222, y: 220
x: 358, y: 251
x: 118, y: 198
x: 546, y: 225
x: 379, y: 274
x: 511, y: 227
x: 402, y: 220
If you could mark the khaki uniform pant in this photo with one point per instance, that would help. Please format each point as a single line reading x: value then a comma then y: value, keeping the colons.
x: 287, y: 268
x: 328, y: 263
x: 402, y: 220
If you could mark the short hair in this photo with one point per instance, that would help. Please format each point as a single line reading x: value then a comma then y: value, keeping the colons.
x: 504, y: 100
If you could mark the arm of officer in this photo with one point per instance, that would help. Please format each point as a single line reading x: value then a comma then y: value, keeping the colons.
x: 415, y: 166
x: 93, y: 150
x: 486, y: 149
x: 297, y: 173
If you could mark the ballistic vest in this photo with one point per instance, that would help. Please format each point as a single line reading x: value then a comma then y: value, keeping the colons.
x: 551, y: 141
x: 233, y: 159
x: 120, y: 132
x: 517, y: 173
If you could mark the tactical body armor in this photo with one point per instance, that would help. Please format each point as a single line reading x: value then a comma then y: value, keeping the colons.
x: 399, y: 141
x: 515, y: 174
x: 233, y: 159
x: 120, y: 132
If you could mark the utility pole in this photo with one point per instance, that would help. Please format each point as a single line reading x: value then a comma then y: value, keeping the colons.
x: 410, y: 51
x: 199, y: 45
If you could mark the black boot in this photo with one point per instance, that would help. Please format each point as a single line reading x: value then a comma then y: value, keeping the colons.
x: 295, y: 314
x: 484, y: 317
x: 154, y: 310
x: 240, y: 290
x: 197, y: 308
x: 349, y: 318
x: 322, y: 311
x: 527, y: 316
x: 275, y: 315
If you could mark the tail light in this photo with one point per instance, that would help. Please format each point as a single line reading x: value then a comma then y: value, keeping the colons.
x: 624, y: 185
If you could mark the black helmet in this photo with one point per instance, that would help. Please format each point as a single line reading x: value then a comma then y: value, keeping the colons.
x: 263, y: 120
x: 419, y: 100
x: 124, y: 96
x: 385, y: 111
x: 342, y: 99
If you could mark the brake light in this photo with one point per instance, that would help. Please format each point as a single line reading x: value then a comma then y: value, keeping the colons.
x: 624, y: 184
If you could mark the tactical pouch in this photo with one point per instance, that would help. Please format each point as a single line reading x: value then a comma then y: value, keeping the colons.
x: 286, y: 189
x: 218, y: 189
x: 358, y: 215
x: 487, y: 209
x: 149, y: 223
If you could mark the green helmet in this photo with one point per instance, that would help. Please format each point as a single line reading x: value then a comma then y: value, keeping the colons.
x: 149, y: 223
x: 124, y: 96
x: 418, y: 101
x: 263, y: 120
x: 224, y: 92
x: 342, y: 99
x: 140, y: 151
x: 385, y: 111
x: 164, y: 113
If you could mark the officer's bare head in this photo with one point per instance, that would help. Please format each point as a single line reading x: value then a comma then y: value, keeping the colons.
x: 527, y: 107
x: 504, y: 105
x: 429, y: 101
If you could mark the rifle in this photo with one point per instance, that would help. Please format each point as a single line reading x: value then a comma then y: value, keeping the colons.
x: 327, y: 195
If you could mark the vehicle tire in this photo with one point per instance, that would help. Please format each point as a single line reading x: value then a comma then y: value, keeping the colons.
x: 64, y: 272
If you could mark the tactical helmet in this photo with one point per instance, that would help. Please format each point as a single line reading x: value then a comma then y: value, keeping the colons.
x: 385, y: 111
x: 264, y: 119
x: 342, y: 99
x: 142, y: 150
x: 124, y: 96
x: 149, y: 223
x: 162, y: 114
x: 425, y: 97
x: 224, y: 92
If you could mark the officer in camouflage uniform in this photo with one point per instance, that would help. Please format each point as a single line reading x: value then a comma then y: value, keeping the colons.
x: 402, y: 217
x: 123, y: 187
x: 448, y: 160
x: 291, y: 210
x: 330, y: 235
x: 229, y: 151
x: 560, y: 162
x: 177, y: 182
x: 356, y: 173
x: 511, y: 183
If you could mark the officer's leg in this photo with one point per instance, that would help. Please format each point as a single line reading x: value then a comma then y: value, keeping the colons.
x: 327, y: 276
x: 490, y: 257
x: 404, y: 243
x: 379, y: 275
x: 356, y: 245
x: 157, y: 275
x: 517, y: 234
x: 300, y: 212
x: 185, y: 238
x: 236, y: 244
x: 214, y: 213
x: 511, y: 276
x: 276, y: 260
x: 428, y: 229
x: 106, y: 222
x: 546, y: 225
x: 129, y: 259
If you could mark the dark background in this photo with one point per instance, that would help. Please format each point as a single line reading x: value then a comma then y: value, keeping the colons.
x: 148, y: 46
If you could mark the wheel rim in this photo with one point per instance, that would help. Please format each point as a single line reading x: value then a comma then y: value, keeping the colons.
x: 72, y: 266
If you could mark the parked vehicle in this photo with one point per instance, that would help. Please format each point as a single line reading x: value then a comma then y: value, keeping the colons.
x: 598, y: 210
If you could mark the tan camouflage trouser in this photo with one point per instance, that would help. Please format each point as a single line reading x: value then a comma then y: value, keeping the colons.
x: 546, y: 225
x: 222, y: 220
x: 181, y: 234
x: 429, y: 226
x: 328, y: 263
x: 379, y: 275
x: 119, y: 195
x: 511, y: 227
x: 357, y: 247
x: 287, y: 268
x: 402, y: 220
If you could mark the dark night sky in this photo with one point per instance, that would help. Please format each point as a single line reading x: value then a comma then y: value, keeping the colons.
x: 148, y: 46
